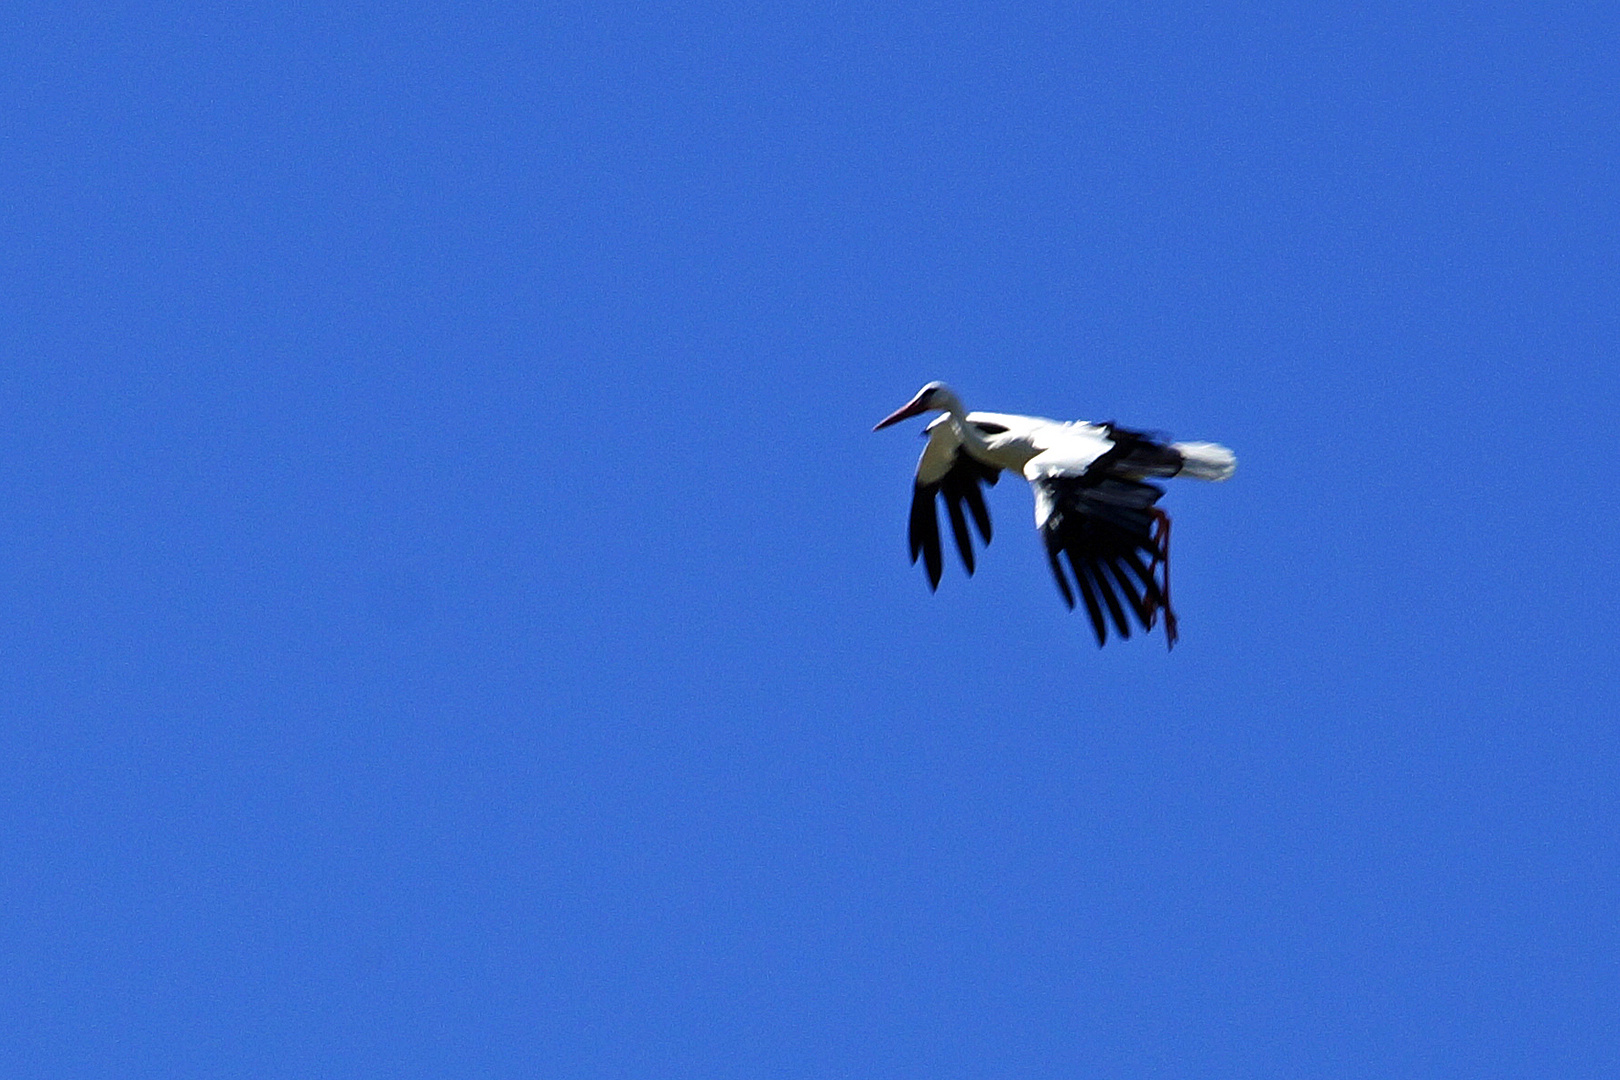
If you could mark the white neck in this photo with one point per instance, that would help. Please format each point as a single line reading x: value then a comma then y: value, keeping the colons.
x: 966, y: 432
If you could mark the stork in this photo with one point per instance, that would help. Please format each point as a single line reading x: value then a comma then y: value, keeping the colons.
x: 1093, y: 504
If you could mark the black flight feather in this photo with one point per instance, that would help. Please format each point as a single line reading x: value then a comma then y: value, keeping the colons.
x: 1105, y: 589
x: 1089, y: 596
x: 974, y: 497
x: 964, y: 539
x: 1057, y: 572
x: 960, y: 484
x: 1104, y: 525
x: 1131, y: 591
x: 925, y: 531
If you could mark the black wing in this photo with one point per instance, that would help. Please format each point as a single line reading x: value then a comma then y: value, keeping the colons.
x: 1114, y: 539
x: 959, y: 487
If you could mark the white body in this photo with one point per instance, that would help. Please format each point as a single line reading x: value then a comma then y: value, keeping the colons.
x: 1094, y: 504
x: 1040, y: 449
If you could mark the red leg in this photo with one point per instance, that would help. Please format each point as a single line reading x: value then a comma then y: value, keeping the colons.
x: 1161, y: 556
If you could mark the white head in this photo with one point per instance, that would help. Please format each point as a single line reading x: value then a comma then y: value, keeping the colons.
x: 935, y: 397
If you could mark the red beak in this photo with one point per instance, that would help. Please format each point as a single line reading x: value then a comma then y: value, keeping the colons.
x: 905, y: 412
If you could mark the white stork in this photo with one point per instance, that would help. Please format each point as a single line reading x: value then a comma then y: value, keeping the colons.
x: 1092, y: 502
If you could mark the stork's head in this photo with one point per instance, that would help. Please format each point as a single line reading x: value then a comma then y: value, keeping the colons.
x: 935, y: 397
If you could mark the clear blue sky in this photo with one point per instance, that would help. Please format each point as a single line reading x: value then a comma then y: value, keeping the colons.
x: 456, y: 615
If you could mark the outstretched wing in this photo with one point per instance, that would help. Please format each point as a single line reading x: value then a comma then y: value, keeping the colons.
x: 950, y: 474
x: 1094, y: 512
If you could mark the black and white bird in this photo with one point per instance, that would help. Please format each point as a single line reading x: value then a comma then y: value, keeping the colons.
x: 1093, y: 503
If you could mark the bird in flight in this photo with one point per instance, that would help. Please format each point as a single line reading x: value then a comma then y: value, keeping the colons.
x: 1094, y: 506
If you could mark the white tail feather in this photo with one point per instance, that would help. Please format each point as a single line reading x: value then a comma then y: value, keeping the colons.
x: 1206, y: 460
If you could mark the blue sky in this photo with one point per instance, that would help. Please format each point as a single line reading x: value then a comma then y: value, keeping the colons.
x: 457, y: 619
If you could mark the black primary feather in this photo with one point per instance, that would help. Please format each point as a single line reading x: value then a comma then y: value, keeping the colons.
x: 974, y: 497
x: 1103, y: 524
x: 960, y: 485
x: 1062, y: 578
x: 1131, y: 590
x: 925, y: 531
x: 1105, y: 589
x: 1089, y: 595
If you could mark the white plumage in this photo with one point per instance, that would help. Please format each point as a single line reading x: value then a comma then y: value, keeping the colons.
x: 1094, y: 505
